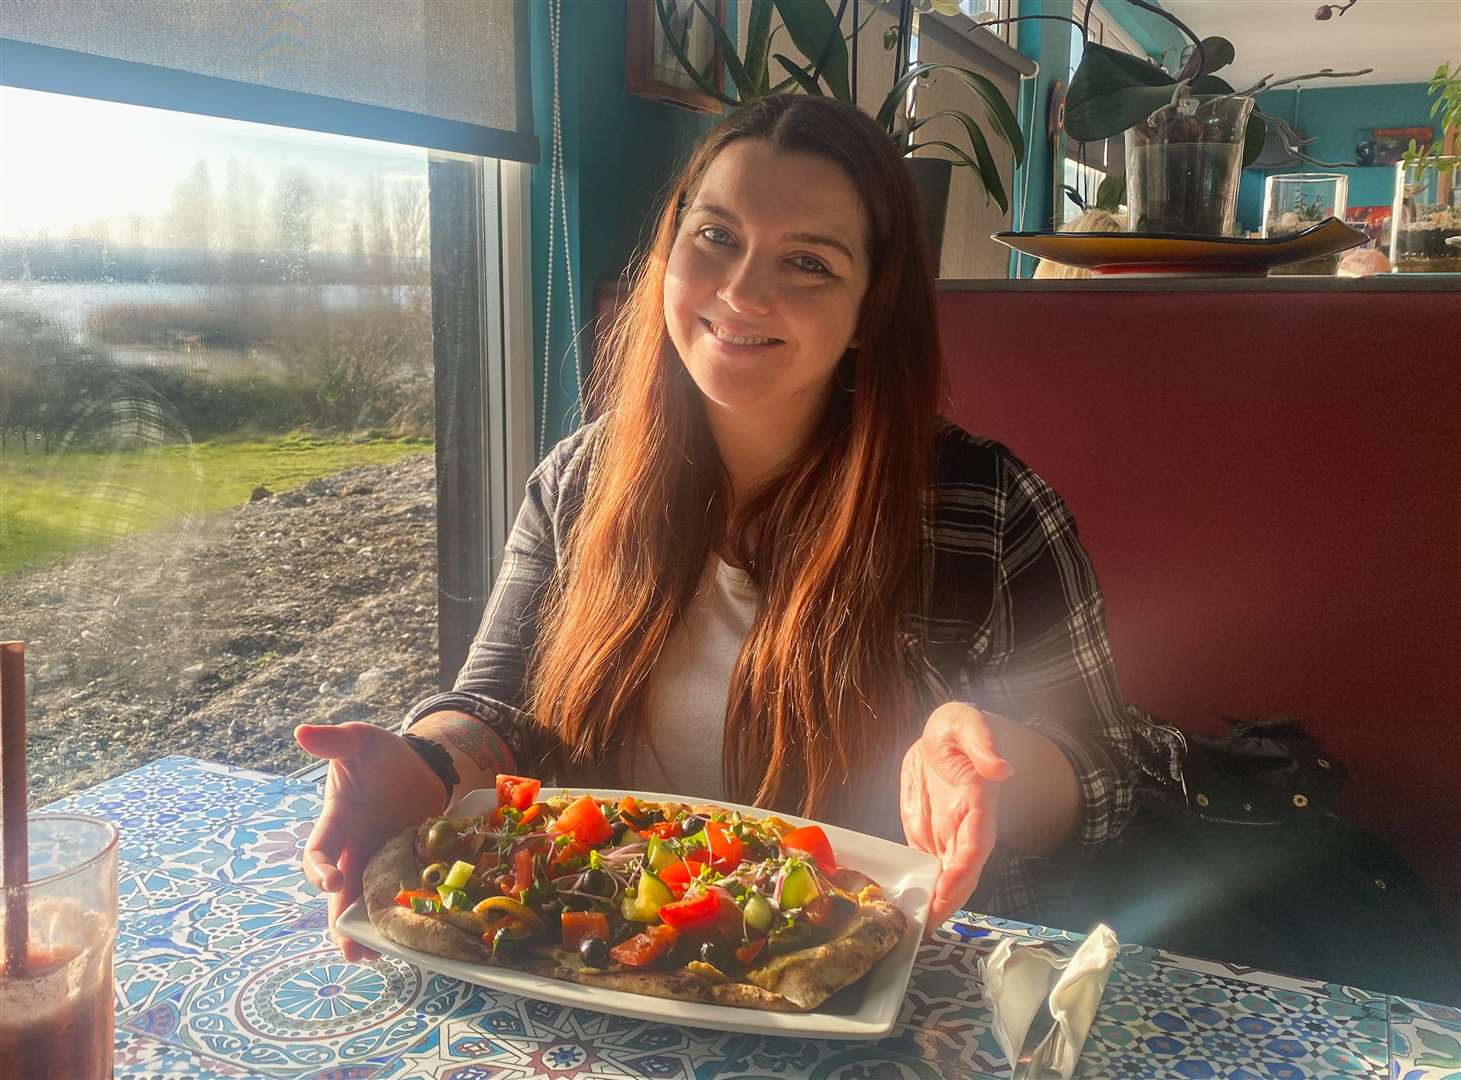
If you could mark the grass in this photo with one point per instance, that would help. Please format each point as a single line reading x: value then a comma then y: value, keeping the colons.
x: 85, y: 500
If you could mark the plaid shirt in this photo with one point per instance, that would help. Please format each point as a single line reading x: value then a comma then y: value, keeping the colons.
x: 1011, y: 620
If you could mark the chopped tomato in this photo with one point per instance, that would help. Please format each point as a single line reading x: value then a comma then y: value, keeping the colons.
x: 644, y: 949
x: 665, y: 830
x: 405, y: 896
x: 677, y: 876
x: 812, y: 841
x: 725, y: 849
x: 531, y: 814
x: 522, y: 871
x: 578, y: 926
x: 697, y: 913
x: 517, y: 792
x: 584, y: 818
x: 564, y: 855
x: 747, y: 954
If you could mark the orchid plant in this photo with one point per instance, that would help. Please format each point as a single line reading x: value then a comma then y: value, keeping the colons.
x: 1113, y: 91
x: 816, y: 31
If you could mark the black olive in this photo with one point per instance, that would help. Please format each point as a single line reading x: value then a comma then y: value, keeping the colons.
x: 595, y: 952
x: 715, y: 952
x: 596, y: 881
x: 653, y: 817
x: 621, y: 833
x: 440, y: 839
x: 624, y: 931
x: 573, y: 902
x: 692, y: 824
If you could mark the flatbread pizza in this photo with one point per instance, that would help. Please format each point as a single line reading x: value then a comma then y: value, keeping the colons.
x: 692, y: 902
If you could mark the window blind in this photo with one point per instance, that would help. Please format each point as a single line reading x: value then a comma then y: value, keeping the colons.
x: 443, y: 74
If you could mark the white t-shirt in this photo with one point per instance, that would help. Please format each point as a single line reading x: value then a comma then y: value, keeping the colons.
x: 689, y: 689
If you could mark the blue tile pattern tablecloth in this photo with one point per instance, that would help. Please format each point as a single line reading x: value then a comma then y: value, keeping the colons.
x: 224, y: 968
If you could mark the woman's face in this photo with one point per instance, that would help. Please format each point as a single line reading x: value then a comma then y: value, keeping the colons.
x: 765, y: 280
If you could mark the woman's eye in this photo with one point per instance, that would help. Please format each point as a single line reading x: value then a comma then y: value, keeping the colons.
x: 715, y: 235
x: 810, y: 265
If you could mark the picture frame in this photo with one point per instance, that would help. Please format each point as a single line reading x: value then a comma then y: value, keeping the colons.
x: 1391, y: 143
x: 651, y: 69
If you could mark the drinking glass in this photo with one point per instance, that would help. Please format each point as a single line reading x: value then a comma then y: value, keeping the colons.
x: 1293, y: 202
x: 57, y: 1009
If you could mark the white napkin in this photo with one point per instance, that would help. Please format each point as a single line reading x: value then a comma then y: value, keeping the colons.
x: 1018, y: 975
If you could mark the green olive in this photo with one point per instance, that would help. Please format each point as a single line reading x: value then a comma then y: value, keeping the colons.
x: 440, y: 839
x: 434, y: 875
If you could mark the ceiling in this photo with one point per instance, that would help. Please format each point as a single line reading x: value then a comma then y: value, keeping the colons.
x: 1403, y: 40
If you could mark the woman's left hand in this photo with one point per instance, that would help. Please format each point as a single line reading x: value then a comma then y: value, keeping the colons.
x: 948, y: 799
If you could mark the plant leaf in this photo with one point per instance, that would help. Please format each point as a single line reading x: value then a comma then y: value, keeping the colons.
x: 964, y: 159
x: 988, y: 170
x: 1112, y: 91
x: 1074, y: 196
x: 1110, y: 193
x: 1216, y: 53
x: 758, y: 45
x: 994, y: 102
x: 678, y: 48
x: 814, y: 29
x: 738, y: 73
x: 1254, y: 136
x: 802, y: 76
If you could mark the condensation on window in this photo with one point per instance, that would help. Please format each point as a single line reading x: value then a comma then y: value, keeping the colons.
x: 217, y: 491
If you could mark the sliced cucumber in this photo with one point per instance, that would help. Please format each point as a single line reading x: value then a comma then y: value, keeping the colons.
x: 759, y: 913
x: 636, y: 910
x: 658, y: 855
x: 654, y: 891
x: 457, y: 876
x: 799, y: 887
x: 453, y: 899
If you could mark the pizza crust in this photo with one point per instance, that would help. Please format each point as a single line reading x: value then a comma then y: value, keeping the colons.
x: 391, y: 867
x: 796, y: 982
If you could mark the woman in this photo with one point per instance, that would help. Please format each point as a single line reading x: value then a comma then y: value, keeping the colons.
x: 768, y: 572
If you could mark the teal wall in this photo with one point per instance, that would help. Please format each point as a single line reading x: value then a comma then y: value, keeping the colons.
x: 1333, y: 117
x: 1055, y: 47
x: 1048, y: 44
x: 619, y: 151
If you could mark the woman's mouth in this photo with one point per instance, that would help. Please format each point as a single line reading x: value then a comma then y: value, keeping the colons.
x: 728, y: 337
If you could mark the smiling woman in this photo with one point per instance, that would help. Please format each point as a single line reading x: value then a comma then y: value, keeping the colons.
x: 768, y: 571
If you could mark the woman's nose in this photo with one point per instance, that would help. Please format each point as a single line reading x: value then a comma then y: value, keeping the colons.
x: 747, y: 289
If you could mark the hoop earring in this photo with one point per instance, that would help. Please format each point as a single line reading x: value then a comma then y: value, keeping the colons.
x: 843, y: 363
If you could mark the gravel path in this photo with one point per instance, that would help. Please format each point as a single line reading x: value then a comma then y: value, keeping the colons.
x: 215, y: 638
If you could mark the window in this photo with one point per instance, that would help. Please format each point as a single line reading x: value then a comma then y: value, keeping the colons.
x: 233, y: 356
x: 1085, y: 165
x: 1000, y: 9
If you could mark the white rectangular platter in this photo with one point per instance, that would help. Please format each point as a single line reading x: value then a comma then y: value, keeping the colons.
x: 866, y: 1010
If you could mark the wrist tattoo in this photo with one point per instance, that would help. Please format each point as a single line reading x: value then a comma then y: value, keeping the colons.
x: 437, y: 759
x: 472, y: 737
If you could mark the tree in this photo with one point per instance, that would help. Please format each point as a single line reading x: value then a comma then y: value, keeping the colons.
x: 294, y: 210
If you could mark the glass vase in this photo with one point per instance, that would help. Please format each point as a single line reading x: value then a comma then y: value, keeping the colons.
x: 1425, y: 224
x: 1293, y: 202
x: 1183, y: 163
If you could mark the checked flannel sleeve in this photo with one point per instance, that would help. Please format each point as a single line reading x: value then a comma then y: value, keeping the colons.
x: 492, y: 683
x: 1048, y: 664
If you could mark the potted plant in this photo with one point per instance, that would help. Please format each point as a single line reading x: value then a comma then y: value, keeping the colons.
x: 816, y: 31
x: 1425, y: 233
x: 1188, y: 135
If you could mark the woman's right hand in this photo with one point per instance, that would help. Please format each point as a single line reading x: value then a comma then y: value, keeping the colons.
x: 377, y: 786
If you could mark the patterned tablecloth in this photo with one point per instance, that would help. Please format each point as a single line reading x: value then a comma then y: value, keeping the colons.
x: 224, y: 968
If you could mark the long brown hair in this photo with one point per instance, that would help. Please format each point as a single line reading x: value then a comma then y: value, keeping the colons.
x: 822, y: 682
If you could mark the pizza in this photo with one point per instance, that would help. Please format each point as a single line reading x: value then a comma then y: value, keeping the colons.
x: 694, y: 902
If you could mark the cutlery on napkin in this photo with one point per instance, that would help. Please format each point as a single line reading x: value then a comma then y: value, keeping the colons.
x: 1043, y: 1005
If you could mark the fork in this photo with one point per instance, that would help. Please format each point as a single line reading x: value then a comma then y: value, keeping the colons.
x: 1033, y: 1062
